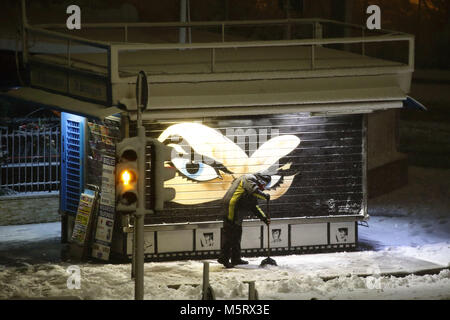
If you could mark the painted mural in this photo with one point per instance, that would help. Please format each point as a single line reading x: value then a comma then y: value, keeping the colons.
x: 316, y: 163
x: 208, y: 161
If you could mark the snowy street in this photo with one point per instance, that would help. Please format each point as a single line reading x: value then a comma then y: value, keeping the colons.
x: 295, y: 277
x: 142, y: 142
x: 409, y: 232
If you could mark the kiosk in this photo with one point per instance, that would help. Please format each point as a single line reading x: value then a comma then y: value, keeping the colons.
x: 229, y: 105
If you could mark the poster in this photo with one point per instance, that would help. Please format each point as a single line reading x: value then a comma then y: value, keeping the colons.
x: 342, y: 233
x: 83, y: 216
x: 105, y: 219
x: 207, y: 239
x: 278, y: 236
x: 104, y: 229
x: 102, y: 162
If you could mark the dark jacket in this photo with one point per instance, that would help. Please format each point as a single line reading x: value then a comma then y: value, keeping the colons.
x: 242, y: 199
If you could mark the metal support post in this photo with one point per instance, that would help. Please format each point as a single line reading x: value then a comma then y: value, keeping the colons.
x: 252, y: 292
x: 24, y: 33
x: 139, y: 220
x: 363, y: 43
x: 207, y: 292
x: 183, y: 18
x: 140, y: 210
x: 139, y: 266
x: 213, y: 59
x: 133, y: 253
x: 205, y: 278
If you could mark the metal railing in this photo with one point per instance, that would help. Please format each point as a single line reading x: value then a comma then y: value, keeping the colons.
x: 319, y: 33
x: 363, y: 37
x: 29, y: 160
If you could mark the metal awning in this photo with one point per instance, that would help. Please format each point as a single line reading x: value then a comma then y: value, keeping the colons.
x: 59, y: 102
x: 313, y: 109
x: 343, y: 95
x: 411, y: 103
x: 260, y: 97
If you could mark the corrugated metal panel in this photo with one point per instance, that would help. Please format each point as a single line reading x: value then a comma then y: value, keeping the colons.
x: 325, y: 168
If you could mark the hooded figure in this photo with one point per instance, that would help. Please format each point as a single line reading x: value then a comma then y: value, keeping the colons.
x: 240, y: 200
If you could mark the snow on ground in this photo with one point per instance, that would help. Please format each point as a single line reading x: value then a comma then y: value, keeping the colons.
x: 408, y: 231
x: 17, y: 235
x: 294, y: 278
x: 415, y: 215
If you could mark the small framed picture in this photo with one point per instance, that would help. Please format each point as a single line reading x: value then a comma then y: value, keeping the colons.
x: 207, y: 239
x: 341, y: 233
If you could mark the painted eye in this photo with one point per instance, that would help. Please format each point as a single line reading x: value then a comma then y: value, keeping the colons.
x: 194, y: 170
x: 273, y: 181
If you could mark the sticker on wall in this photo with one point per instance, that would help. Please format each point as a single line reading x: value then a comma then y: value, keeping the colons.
x: 342, y: 233
x: 149, y: 243
x: 350, y: 207
x: 208, y: 162
x: 207, y: 239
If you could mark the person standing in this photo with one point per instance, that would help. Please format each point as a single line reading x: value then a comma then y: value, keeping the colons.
x: 241, y: 199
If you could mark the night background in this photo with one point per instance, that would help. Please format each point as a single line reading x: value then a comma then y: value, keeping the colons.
x: 408, y: 199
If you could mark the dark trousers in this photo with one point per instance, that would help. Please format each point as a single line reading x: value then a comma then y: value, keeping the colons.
x: 231, y: 242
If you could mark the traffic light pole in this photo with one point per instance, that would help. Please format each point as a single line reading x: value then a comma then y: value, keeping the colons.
x: 140, y: 212
x: 139, y: 231
x: 131, y: 174
x: 160, y: 173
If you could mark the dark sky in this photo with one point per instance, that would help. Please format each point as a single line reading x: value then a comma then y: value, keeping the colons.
x: 429, y: 21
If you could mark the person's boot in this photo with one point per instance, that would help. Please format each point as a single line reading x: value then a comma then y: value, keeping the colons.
x: 236, y: 262
x: 225, y: 262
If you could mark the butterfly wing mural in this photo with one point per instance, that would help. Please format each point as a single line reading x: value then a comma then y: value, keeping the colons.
x: 207, y: 162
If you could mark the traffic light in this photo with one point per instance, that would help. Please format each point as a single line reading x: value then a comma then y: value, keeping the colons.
x: 127, y: 174
x: 129, y: 152
x: 160, y: 173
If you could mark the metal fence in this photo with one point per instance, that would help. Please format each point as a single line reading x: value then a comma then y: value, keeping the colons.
x: 30, y: 159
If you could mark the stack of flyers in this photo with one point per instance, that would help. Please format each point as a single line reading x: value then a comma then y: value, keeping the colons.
x: 108, y: 182
x: 100, y: 251
x: 103, y: 238
x: 102, y: 139
x: 105, y: 221
x: 82, y: 218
